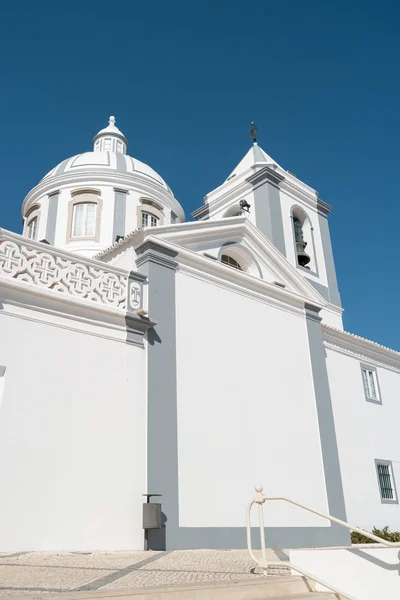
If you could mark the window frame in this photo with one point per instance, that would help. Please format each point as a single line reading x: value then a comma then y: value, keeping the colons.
x: 33, y: 219
x: 83, y: 233
x: 32, y: 214
x: 151, y: 207
x: 373, y: 370
x: 150, y: 217
x: 84, y: 196
x: 389, y: 464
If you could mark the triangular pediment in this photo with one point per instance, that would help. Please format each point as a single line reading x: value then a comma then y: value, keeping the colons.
x: 203, y: 243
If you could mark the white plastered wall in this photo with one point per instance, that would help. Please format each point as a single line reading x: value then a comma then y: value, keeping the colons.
x: 365, y: 431
x: 246, y: 409
x: 72, y: 438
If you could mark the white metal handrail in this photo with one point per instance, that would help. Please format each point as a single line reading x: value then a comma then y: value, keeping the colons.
x: 260, y: 499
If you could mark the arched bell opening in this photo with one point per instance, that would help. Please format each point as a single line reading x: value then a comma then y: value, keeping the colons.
x: 303, y: 239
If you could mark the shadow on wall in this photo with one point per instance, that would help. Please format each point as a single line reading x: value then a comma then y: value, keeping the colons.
x: 153, y: 337
x: 157, y: 539
x: 377, y: 561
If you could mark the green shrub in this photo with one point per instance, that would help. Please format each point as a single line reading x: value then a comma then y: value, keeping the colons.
x: 385, y: 534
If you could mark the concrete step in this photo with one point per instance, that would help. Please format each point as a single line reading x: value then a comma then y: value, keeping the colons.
x: 282, y: 587
x: 308, y: 596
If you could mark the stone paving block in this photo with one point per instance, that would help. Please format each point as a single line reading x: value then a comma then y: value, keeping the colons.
x: 44, y: 577
x: 25, y: 573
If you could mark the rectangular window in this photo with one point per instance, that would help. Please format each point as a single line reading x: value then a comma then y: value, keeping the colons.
x: 32, y: 226
x: 386, y: 481
x: 84, y: 220
x: 107, y: 144
x: 149, y: 220
x: 370, y: 382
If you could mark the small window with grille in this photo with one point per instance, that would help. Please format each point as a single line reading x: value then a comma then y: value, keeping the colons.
x: 370, y: 382
x: 231, y: 262
x: 386, y: 481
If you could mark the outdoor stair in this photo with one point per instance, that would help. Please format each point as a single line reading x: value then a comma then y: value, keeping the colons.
x: 275, y: 587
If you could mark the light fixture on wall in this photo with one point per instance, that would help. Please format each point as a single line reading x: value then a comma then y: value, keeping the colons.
x: 244, y: 205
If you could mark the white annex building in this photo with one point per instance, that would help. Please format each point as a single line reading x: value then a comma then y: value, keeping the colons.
x: 140, y: 353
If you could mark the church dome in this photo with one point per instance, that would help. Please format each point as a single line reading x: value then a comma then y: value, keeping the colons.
x: 109, y: 155
x: 92, y: 199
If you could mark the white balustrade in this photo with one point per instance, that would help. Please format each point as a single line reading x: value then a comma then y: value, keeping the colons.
x: 43, y: 266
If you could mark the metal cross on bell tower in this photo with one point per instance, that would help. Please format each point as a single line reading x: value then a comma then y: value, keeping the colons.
x: 253, y: 131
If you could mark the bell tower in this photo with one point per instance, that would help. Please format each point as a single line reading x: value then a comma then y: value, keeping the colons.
x: 286, y: 211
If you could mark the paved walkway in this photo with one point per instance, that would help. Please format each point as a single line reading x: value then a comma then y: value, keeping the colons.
x: 43, y: 572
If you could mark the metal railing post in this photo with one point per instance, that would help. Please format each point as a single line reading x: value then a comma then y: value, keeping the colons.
x: 260, y: 499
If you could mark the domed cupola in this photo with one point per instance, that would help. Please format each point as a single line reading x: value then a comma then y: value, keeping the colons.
x: 90, y: 200
x: 110, y: 139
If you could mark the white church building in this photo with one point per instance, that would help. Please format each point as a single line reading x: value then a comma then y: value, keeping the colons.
x: 143, y: 353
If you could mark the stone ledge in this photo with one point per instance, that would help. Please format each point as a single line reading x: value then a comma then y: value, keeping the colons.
x: 260, y: 588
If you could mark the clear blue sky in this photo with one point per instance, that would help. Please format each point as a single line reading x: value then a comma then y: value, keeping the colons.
x: 185, y: 78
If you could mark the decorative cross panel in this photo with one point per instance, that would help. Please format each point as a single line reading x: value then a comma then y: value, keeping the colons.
x: 44, y: 270
x: 12, y: 260
x: 78, y: 280
x: 112, y: 289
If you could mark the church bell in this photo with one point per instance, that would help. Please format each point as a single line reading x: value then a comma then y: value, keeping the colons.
x: 302, y: 257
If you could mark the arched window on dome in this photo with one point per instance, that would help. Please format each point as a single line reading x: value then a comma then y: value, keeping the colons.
x: 32, y: 228
x: 84, y: 220
x: 149, y: 213
x: 32, y: 222
x: 84, y: 214
x: 149, y: 220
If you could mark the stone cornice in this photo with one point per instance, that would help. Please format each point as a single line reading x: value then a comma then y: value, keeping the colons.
x: 156, y: 252
x: 361, y: 348
x: 265, y: 174
x: 244, y: 281
x: 234, y: 229
x: 323, y: 208
x: 137, y: 236
x: 30, y: 304
x: 215, y: 204
x: 44, y: 279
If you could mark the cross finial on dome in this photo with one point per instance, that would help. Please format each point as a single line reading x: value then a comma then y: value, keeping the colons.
x: 111, y: 121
